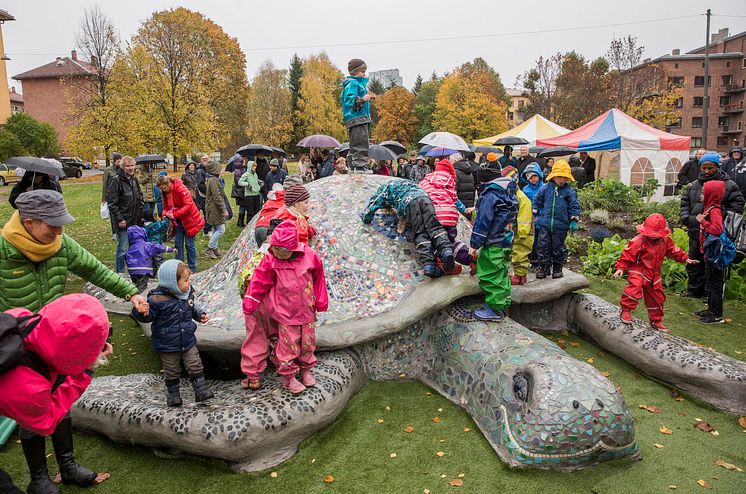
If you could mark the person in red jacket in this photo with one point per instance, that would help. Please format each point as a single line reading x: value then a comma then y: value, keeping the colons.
x: 291, y: 279
x: 65, y: 345
x: 642, y: 260
x: 275, y: 200
x: 179, y: 206
x: 711, y: 223
x: 296, y: 210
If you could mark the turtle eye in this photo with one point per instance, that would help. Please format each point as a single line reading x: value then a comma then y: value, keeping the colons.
x: 522, y: 386
x: 575, y: 404
x: 599, y: 403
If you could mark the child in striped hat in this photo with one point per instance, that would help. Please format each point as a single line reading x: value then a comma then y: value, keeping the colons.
x: 296, y: 210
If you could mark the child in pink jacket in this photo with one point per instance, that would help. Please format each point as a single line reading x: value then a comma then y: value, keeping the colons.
x: 291, y: 278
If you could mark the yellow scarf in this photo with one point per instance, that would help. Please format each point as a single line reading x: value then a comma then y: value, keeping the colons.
x: 16, y: 234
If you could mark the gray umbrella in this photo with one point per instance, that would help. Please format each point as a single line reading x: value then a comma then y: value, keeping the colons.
x: 48, y: 166
x: 395, y: 146
x: 379, y: 152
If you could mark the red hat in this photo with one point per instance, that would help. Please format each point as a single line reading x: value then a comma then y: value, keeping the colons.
x: 285, y: 236
x: 445, y: 165
x: 654, y: 226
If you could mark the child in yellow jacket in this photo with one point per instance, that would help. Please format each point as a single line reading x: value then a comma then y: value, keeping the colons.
x: 523, y: 242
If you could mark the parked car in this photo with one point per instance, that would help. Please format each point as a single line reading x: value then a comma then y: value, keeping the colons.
x: 8, y: 174
x: 73, y: 167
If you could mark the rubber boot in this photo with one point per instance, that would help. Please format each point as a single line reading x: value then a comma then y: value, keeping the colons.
x: 542, y: 272
x: 201, y: 390
x: 557, y: 271
x: 449, y: 260
x: 34, y: 449
x: 306, y: 377
x: 71, y: 471
x: 174, y: 397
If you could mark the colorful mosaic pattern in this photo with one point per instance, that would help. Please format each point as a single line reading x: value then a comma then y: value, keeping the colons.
x: 369, y: 268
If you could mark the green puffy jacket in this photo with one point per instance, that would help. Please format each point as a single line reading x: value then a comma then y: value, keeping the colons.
x: 26, y: 284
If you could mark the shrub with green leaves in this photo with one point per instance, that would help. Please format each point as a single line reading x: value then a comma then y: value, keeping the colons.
x: 576, y: 244
x: 735, y: 286
x: 599, y: 216
x: 670, y: 209
x: 611, y: 195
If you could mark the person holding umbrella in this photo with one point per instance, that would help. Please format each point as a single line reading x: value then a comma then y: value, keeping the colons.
x: 507, y: 158
x: 33, y: 180
x: 356, y: 113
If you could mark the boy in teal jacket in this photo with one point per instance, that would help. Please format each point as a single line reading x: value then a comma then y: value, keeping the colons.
x: 356, y: 113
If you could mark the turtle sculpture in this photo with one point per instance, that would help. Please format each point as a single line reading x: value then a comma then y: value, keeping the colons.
x: 536, y: 405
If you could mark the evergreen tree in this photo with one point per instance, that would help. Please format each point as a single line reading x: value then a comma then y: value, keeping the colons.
x: 417, y: 84
x: 375, y: 86
x: 294, y: 79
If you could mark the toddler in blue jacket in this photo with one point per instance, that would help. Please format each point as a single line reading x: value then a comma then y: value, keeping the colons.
x: 556, y: 209
x: 172, y: 316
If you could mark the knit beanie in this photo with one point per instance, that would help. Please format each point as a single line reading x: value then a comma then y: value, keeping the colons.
x: 296, y: 194
x: 292, y: 180
x: 168, y: 279
x: 356, y: 65
x: 712, y: 157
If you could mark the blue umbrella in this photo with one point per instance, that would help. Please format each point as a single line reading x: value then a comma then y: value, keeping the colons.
x: 439, y: 152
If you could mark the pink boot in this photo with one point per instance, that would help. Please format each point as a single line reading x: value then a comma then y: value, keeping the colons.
x: 293, y: 385
x: 307, y: 378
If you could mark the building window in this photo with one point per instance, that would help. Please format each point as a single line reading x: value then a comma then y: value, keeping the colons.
x: 724, y: 100
x: 727, y: 64
x: 727, y: 80
x: 723, y: 121
x: 676, y: 81
x: 696, y: 122
x: 699, y: 80
x: 675, y: 124
x: 679, y: 103
x: 510, y: 115
x: 672, y: 171
x: 722, y: 141
x: 696, y: 142
x: 699, y: 101
x: 642, y: 170
x: 676, y: 66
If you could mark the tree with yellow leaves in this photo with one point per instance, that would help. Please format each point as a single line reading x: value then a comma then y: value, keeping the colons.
x: 657, y: 110
x: 396, y: 120
x: 269, y: 112
x: 319, y: 106
x: 470, y: 104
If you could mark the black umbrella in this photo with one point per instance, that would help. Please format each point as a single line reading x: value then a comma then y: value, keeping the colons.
x: 48, y: 166
x: 150, y: 158
x: 510, y: 141
x: 250, y: 150
x: 488, y: 149
x: 536, y: 149
x: 230, y: 165
x: 279, y: 150
x: 380, y: 152
x: 555, y: 151
x: 396, y: 147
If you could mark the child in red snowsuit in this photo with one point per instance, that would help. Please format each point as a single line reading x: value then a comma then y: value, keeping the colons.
x: 642, y: 259
x: 291, y: 278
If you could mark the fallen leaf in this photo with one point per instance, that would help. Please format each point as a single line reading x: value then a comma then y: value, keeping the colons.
x: 426, y: 491
x: 601, y: 354
x: 328, y: 479
x: 681, y: 414
x: 436, y: 420
x: 393, y: 455
x: 428, y: 393
x: 560, y: 341
x: 728, y: 319
x: 727, y: 466
x: 402, y: 375
x: 273, y: 475
x: 715, y: 433
x: 605, y: 373
x: 565, y: 333
x: 575, y: 344
x: 742, y: 422
x: 440, y: 454
x: 443, y: 476
x: 380, y: 421
x: 388, y: 408
x: 638, y: 376
x: 442, y: 440
x: 704, y: 484
x: 702, y: 425
x: 313, y: 460
x: 697, y: 419
x: 562, y: 346
x: 666, y: 431
x: 650, y: 408
x: 409, y: 429
x: 590, y: 360
x: 466, y: 429
x: 461, y: 475
x: 672, y: 487
x: 456, y: 483
x: 101, y: 477
x: 659, y: 446
x: 440, y: 409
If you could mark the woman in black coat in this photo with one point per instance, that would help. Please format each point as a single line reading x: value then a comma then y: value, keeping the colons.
x: 33, y: 181
x: 466, y: 183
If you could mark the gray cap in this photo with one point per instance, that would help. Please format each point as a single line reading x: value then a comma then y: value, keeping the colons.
x: 274, y: 162
x: 45, y: 205
x: 292, y: 180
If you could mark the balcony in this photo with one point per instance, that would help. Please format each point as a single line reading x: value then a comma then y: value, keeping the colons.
x: 734, y: 88
x: 732, y: 108
x: 729, y: 129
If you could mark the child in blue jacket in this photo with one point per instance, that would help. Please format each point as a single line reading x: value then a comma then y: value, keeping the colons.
x: 557, y: 209
x: 356, y: 114
x: 492, y: 234
x: 172, y: 316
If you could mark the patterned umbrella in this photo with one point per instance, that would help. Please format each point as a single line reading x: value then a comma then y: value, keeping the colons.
x: 318, y: 141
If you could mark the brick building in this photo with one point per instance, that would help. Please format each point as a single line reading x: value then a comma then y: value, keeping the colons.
x: 52, y: 91
x: 5, y: 110
x: 16, y: 101
x: 727, y: 87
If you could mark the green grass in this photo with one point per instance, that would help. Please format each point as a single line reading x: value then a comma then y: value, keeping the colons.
x: 356, y: 449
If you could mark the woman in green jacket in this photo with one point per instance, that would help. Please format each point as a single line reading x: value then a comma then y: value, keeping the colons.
x: 252, y: 185
x: 215, y: 210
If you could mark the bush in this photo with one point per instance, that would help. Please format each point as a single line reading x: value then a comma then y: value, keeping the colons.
x: 611, y: 195
x: 669, y: 209
x: 619, y: 224
x: 599, y: 216
x: 576, y: 244
x: 735, y: 287
x: 9, y: 145
x: 38, y: 139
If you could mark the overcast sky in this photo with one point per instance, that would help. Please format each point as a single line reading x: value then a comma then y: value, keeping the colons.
x: 509, y: 35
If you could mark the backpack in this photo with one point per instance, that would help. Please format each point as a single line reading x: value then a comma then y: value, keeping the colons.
x: 13, y: 330
x: 244, y: 276
x: 735, y: 226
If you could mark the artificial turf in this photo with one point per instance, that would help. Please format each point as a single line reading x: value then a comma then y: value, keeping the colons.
x: 356, y: 449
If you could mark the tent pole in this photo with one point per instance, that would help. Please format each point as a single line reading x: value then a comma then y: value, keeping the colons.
x: 706, y: 99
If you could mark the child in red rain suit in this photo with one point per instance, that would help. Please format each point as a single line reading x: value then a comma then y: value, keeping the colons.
x: 642, y: 259
x: 291, y: 277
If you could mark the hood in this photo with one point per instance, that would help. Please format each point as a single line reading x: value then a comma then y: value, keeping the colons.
x: 440, y: 179
x: 500, y: 182
x: 736, y: 149
x: 533, y: 167
x: 286, y: 237
x: 713, y: 190
x: 136, y: 234
x: 466, y: 166
x: 445, y: 165
x: 213, y: 168
x: 70, y: 334
x: 349, y: 79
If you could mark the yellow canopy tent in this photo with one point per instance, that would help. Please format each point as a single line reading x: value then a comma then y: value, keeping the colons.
x: 536, y: 127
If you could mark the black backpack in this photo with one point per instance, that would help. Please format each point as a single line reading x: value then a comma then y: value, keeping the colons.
x: 13, y: 330
x: 735, y: 226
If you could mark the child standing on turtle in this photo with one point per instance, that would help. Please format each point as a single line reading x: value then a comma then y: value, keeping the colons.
x: 291, y: 277
x: 412, y: 203
x: 492, y: 235
x: 356, y: 113
x: 642, y: 259
x: 523, y: 231
x: 557, y: 210
x: 172, y: 314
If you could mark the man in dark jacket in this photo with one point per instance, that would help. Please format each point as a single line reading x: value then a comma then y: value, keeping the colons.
x: 690, y: 171
x: 523, y: 159
x: 466, y: 182
x: 125, y: 206
x: 691, y: 206
x: 590, y: 167
x: 735, y: 167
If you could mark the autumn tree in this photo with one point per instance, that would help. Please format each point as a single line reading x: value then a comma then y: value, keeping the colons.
x: 396, y: 119
x: 623, y: 55
x: 658, y: 109
x: 540, y: 86
x: 97, y: 121
x: 270, y: 107
x: 583, y: 90
x: 471, y: 102
x: 424, y: 106
x: 293, y: 84
x: 319, y: 105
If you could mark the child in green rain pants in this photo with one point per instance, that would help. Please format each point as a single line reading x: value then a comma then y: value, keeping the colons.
x: 493, y: 236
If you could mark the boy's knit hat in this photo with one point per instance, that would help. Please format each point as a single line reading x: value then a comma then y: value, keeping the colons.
x: 274, y: 162
x: 487, y: 174
x: 296, y: 194
x: 710, y: 156
x: 509, y: 171
x: 292, y: 180
x: 168, y: 278
x: 356, y: 65
x: 561, y: 168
